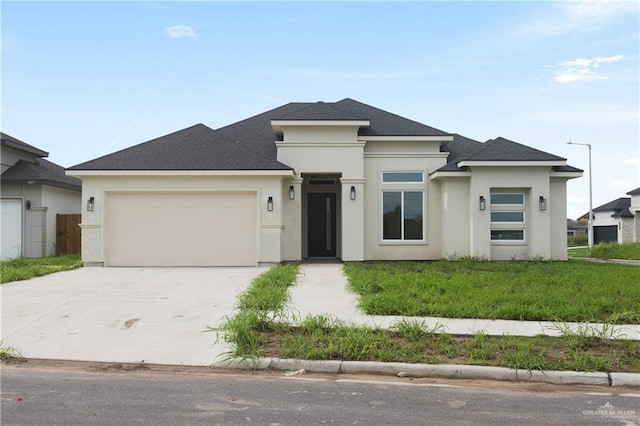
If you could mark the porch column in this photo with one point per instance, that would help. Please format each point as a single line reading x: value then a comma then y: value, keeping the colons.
x: 352, y: 219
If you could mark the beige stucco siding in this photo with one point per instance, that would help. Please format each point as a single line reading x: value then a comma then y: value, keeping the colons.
x: 455, y: 211
x: 557, y: 207
x: 415, y: 156
x: 267, y: 228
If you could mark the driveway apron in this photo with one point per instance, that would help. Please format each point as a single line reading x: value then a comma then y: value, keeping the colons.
x: 152, y: 315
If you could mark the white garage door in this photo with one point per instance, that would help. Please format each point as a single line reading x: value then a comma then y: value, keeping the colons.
x: 181, y: 229
x: 11, y: 218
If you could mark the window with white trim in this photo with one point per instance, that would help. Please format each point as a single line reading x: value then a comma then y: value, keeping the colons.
x: 507, y: 217
x: 402, y: 177
x: 403, y: 208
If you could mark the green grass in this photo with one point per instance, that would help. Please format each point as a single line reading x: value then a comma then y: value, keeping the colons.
x: 23, y: 268
x: 260, y: 328
x: 616, y: 251
x: 552, y: 291
x: 579, y: 252
x: 608, y: 251
x: 323, y: 338
x: 269, y: 292
x: 8, y: 353
x: 258, y: 307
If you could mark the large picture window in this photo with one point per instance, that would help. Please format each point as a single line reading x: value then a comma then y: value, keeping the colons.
x: 402, y: 215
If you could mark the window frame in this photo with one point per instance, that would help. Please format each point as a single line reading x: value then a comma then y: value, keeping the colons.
x: 510, y: 222
x: 494, y: 241
x: 508, y: 225
x: 404, y: 182
x: 491, y: 203
x: 403, y: 240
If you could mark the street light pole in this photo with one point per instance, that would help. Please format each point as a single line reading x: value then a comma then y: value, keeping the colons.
x: 590, y: 194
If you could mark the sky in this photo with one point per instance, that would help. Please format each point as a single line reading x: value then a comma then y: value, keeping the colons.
x: 84, y: 79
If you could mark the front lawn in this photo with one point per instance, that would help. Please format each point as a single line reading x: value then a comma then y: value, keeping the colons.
x: 24, y: 268
x: 608, y: 251
x: 320, y: 338
x: 533, y: 291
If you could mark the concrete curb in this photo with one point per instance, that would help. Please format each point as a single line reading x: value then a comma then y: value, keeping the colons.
x: 444, y: 371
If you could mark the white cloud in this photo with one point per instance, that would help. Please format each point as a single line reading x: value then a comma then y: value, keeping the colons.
x: 180, y: 31
x: 633, y: 161
x: 583, y: 69
x: 566, y: 17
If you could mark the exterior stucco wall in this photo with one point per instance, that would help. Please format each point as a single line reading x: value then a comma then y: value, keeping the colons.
x: 534, y: 182
x: 415, y: 156
x: 269, y: 227
x: 627, y: 231
x: 326, y: 150
x: 455, y: 226
x: 557, y: 207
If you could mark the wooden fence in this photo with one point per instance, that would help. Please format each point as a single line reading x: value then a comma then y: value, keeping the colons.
x: 68, y: 234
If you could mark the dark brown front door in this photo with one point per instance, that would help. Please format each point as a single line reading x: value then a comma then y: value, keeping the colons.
x: 321, y: 225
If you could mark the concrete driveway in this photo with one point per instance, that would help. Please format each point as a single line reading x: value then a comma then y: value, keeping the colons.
x: 155, y: 315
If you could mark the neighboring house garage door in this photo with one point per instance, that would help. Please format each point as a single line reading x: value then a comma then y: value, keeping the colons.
x: 605, y: 234
x: 181, y: 229
x: 11, y: 218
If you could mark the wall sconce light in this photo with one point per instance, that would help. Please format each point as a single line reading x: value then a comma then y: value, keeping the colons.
x: 543, y: 203
x: 28, y: 204
x: 270, y: 204
x: 352, y: 193
x: 483, y: 203
x: 90, y: 203
x: 292, y: 192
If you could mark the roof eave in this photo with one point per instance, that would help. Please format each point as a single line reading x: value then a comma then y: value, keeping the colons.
x: 449, y: 174
x: 510, y: 163
x: 262, y: 172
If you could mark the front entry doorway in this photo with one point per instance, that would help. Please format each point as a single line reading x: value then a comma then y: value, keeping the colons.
x: 321, y: 224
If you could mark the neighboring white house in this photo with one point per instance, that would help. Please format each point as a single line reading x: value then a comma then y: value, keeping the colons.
x: 33, y: 191
x: 618, y: 220
x: 321, y: 180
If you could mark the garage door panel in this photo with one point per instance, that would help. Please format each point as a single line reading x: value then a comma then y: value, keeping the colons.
x: 181, y: 229
x: 11, y: 232
x: 605, y: 234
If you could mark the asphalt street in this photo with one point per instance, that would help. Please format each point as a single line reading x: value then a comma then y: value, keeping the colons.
x: 47, y: 396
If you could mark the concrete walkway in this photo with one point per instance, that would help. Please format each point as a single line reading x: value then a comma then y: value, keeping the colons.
x: 321, y: 289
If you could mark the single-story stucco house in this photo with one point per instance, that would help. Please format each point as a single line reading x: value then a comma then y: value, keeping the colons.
x: 334, y: 180
x: 618, y: 221
x: 34, y: 191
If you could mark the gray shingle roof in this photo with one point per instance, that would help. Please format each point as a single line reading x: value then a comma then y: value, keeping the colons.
x: 42, y: 172
x: 23, y: 146
x: 634, y: 192
x: 250, y: 144
x: 194, y: 148
x: 623, y: 213
x: 458, y: 148
x: 567, y: 168
x: 615, y: 205
x: 502, y: 149
x: 320, y: 111
x: 384, y: 123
